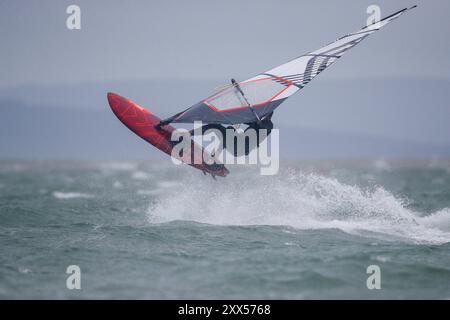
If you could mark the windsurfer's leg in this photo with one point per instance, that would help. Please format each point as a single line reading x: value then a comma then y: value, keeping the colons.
x: 215, y: 127
x: 266, y: 124
x: 167, y: 121
x: 211, y: 126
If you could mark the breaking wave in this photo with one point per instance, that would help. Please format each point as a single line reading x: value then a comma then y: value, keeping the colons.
x: 71, y: 195
x: 302, y: 201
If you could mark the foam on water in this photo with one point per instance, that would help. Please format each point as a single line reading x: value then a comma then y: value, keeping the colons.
x: 117, y: 185
x: 169, y: 184
x: 140, y: 175
x: 154, y: 192
x: 439, y: 219
x: 70, y: 195
x: 304, y: 202
x: 117, y: 166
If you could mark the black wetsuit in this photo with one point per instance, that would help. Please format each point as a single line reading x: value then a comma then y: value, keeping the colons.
x: 266, y: 123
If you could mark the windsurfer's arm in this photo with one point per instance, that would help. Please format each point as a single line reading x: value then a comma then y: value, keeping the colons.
x: 167, y: 121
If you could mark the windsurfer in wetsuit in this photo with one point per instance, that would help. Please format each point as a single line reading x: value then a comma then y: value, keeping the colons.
x: 265, y: 123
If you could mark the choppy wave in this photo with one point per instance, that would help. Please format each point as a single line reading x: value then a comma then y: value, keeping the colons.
x: 439, y: 219
x: 140, y: 175
x: 304, y: 202
x: 118, y: 166
x: 71, y: 195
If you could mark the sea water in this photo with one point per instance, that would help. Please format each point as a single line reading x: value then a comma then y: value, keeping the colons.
x: 159, y: 231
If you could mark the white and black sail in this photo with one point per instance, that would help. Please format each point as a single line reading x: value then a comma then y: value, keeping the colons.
x: 261, y: 95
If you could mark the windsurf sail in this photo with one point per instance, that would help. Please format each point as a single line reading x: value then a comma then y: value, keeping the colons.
x: 261, y: 95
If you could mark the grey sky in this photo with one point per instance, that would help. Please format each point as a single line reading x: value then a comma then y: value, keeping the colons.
x: 168, y: 55
x: 211, y: 39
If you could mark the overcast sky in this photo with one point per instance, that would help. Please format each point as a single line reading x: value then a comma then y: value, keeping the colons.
x: 133, y: 39
x: 167, y: 55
